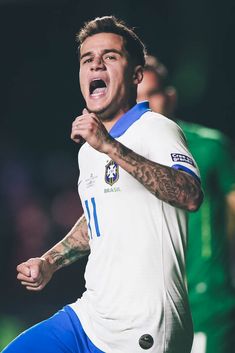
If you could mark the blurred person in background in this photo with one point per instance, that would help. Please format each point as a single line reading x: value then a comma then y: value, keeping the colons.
x: 211, y: 228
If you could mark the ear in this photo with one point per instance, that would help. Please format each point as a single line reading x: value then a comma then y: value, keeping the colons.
x: 138, y: 74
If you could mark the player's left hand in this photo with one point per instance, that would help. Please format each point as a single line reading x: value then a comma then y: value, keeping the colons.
x: 89, y: 127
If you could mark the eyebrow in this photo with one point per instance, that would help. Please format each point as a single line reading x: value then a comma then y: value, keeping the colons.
x: 105, y: 51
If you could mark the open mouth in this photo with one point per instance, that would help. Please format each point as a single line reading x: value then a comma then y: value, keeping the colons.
x: 97, y: 87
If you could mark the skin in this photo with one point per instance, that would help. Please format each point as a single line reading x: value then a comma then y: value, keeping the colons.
x: 103, y: 56
x: 172, y: 186
x: 230, y: 200
x: 230, y: 213
x: 161, y: 100
x: 35, y: 273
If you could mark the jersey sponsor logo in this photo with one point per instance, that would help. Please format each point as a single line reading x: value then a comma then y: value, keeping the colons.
x: 111, y: 173
x: 178, y: 157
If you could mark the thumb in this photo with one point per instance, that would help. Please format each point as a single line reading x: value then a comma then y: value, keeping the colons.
x: 85, y: 111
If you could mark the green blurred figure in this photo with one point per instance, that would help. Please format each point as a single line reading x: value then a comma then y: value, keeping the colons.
x: 10, y: 327
x: 211, y: 295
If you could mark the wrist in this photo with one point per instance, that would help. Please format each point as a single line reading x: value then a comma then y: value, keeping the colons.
x: 110, y: 147
x: 50, y: 262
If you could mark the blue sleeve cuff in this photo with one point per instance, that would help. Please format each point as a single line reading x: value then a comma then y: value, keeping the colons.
x: 187, y: 170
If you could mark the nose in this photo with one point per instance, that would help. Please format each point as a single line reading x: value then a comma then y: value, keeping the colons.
x: 97, y: 64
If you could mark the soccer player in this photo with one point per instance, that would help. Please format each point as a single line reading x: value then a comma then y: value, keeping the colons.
x: 137, y: 179
x: 210, y: 292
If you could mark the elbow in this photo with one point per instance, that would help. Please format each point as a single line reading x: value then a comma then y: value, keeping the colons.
x: 195, y: 204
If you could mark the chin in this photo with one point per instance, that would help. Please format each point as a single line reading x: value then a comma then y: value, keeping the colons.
x: 104, y: 115
x: 98, y: 110
x: 105, y: 110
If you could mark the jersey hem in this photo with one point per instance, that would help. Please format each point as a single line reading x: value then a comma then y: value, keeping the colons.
x: 94, y: 339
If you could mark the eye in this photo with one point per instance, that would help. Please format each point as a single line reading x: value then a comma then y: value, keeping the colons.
x: 87, y: 61
x: 110, y: 57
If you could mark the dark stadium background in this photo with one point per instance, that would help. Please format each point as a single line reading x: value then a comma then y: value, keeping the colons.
x: 40, y: 97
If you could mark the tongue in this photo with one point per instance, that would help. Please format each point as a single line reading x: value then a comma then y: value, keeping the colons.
x: 99, y: 90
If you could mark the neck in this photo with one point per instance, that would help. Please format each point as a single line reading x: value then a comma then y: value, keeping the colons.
x: 108, y: 123
x: 111, y: 121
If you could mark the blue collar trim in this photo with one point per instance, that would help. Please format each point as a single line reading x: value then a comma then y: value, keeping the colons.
x: 128, y: 119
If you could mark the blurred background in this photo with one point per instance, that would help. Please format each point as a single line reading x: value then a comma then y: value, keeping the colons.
x: 40, y: 97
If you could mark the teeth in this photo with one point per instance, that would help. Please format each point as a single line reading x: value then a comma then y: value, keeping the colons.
x: 96, y: 84
x: 99, y: 90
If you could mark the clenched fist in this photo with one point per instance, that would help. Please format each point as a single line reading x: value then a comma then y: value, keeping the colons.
x: 35, y: 273
x: 88, y: 127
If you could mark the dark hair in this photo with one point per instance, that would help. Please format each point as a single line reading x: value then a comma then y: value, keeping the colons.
x: 110, y: 24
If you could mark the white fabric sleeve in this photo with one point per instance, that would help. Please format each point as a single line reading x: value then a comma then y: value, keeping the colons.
x: 166, y: 144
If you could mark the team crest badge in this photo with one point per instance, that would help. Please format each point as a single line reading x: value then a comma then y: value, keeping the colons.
x: 111, y: 173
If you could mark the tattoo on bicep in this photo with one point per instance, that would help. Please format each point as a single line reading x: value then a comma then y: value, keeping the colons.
x: 172, y: 186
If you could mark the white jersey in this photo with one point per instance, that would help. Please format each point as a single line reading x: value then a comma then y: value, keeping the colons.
x: 136, y: 293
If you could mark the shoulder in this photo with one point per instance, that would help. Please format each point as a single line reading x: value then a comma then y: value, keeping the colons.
x: 157, y: 130
x: 159, y: 123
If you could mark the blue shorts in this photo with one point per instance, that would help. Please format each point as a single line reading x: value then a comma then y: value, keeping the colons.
x: 61, y: 333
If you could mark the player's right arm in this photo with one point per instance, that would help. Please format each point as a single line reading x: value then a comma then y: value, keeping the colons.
x: 37, y: 272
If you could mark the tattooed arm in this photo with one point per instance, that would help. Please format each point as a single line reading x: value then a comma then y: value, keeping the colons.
x: 37, y: 272
x: 74, y: 246
x: 173, y: 186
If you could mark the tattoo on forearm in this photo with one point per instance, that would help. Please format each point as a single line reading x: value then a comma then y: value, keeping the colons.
x: 170, y: 185
x: 74, y: 246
